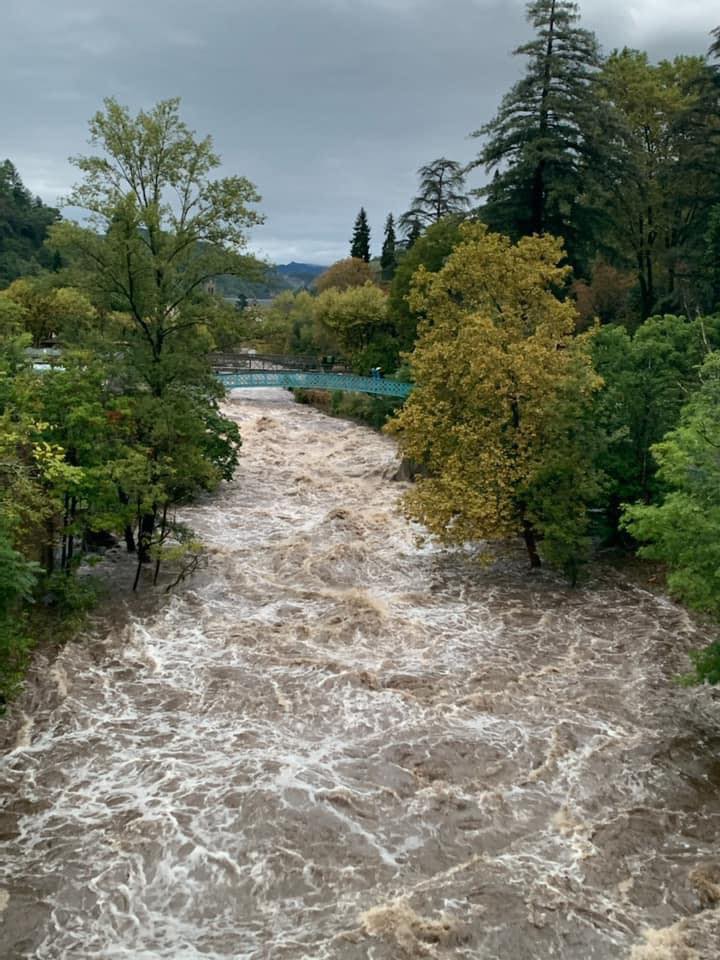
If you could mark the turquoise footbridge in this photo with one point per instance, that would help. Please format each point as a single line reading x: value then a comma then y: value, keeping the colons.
x: 314, y: 380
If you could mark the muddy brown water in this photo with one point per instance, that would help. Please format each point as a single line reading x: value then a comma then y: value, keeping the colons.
x: 341, y: 742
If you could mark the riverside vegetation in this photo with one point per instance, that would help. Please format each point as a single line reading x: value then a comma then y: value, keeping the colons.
x: 561, y: 324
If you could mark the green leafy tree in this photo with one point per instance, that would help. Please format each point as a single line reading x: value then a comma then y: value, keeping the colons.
x: 542, y: 140
x: 287, y: 325
x: 160, y: 229
x: 51, y: 311
x: 683, y: 530
x: 430, y: 252
x: 441, y: 194
x: 660, y: 178
x: 500, y: 415
x: 360, y: 243
x: 388, y: 259
x: 354, y: 322
x: 648, y: 376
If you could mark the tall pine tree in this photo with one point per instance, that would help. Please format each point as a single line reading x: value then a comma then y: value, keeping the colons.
x: 360, y: 243
x: 541, y: 140
x: 388, y: 260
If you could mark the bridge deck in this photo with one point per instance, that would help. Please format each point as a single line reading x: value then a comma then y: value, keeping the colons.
x: 317, y: 380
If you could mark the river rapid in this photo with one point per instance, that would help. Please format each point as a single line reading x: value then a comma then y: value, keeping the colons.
x: 338, y: 741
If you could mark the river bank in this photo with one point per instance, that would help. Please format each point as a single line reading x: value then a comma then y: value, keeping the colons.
x: 338, y: 742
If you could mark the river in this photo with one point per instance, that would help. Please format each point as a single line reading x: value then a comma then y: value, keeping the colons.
x: 339, y: 741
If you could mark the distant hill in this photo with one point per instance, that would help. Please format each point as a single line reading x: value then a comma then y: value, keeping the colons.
x: 285, y: 276
x: 307, y: 271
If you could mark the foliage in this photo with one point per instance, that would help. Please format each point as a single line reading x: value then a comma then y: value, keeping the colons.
x: 660, y: 179
x: 683, y: 530
x: 441, y: 194
x: 648, y: 376
x: 362, y: 408
x: 606, y: 296
x: 24, y: 221
x: 542, y: 141
x: 354, y: 323
x: 287, y: 325
x: 49, y: 311
x: 351, y: 272
x: 430, y: 252
x: 500, y: 414
x: 360, y: 243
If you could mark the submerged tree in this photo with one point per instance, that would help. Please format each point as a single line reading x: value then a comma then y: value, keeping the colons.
x: 441, y: 193
x: 360, y: 243
x: 499, y: 418
x: 540, y: 142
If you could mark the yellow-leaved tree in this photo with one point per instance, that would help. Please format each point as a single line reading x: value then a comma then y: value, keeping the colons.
x: 500, y: 416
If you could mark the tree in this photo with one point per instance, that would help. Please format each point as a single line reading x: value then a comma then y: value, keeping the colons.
x: 542, y: 141
x: 430, y: 252
x: 388, y: 261
x: 287, y: 325
x: 441, y: 194
x: 159, y: 229
x: 715, y: 48
x: 648, y: 376
x: 360, y: 243
x: 660, y: 177
x: 683, y: 530
x: 50, y: 310
x: 351, y: 272
x: 413, y: 232
x: 354, y: 322
x: 499, y: 417
x: 606, y: 296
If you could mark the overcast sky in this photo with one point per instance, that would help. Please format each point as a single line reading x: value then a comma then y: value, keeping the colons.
x: 326, y: 105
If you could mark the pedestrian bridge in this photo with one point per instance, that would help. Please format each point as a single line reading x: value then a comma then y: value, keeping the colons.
x: 245, y: 369
x: 314, y: 380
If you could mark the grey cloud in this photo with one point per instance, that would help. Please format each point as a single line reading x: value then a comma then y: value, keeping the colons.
x: 324, y: 104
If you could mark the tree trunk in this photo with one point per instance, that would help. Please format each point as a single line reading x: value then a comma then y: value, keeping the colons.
x: 147, y: 528
x: 128, y: 532
x: 531, y: 544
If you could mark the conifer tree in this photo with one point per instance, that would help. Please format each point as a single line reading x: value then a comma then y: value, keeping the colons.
x: 360, y: 243
x: 388, y: 260
x: 541, y: 139
x: 441, y: 193
x: 413, y: 232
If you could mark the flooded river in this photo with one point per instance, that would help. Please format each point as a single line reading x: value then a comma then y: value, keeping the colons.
x: 341, y: 743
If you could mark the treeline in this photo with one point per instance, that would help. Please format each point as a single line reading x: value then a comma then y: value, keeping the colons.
x: 103, y: 445
x: 24, y: 221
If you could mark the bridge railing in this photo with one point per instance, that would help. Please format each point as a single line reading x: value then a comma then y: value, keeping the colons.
x: 272, y: 361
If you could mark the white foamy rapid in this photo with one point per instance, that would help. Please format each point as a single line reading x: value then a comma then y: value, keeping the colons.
x: 338, y: 743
